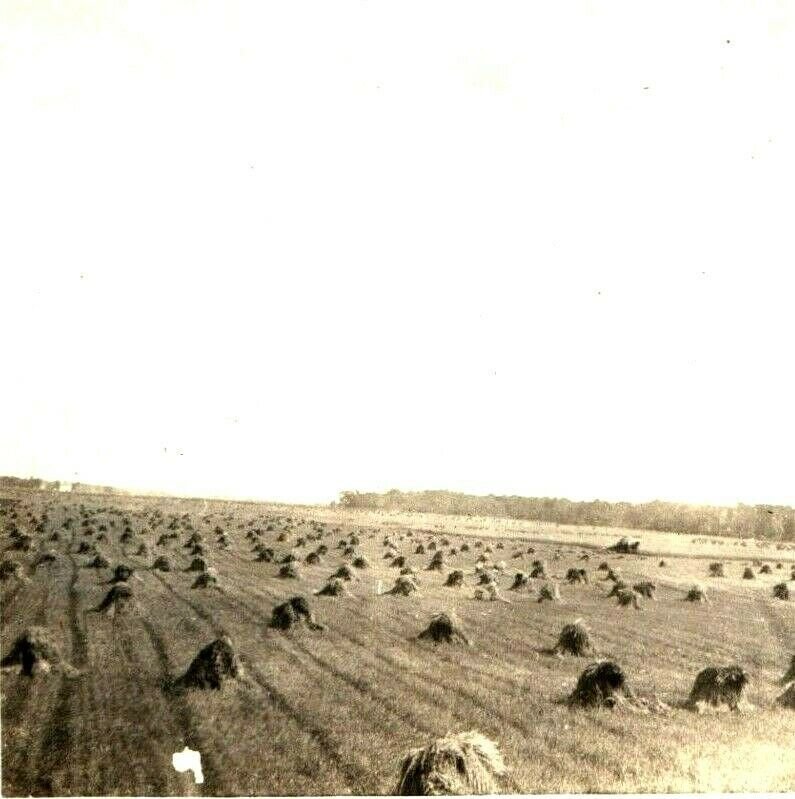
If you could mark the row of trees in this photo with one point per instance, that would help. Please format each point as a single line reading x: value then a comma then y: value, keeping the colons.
x: 28, y: 483
x: 772, y: 522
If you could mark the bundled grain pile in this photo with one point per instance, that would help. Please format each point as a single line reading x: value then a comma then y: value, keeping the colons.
x: 484, y: 576
x: 662, y: 564
x: 716, y: 570
x: 161, y: 564
x: 489, y: 593
x: 781, y: 591
x: 334, y: 587
x: 437, y: 562
x: 766, y: 569
x: 613, y: 575
x: 361, y: 562
x: 35, y: 652
x: 574, y: 576
x: 465, y: 763
x: 289, y: 571
x: 574, y: 639
x: 206, y: 579
x: 294, y: 611
x: 408, y: 571
x: 121, y: 573
x: 645, y: 588
x: 748, y: 573
x: 520, y: 580
x: 549, y: 593
x: 455, y: 579
x: 213, y: 665
x: 98, y: 562
x: 197, y: 549
x: 444, y: 628
x: 619, y: 585
x: 265, y: 554
x: 117, y: 600
x: 22, y: 542
x: 345, y: 572
x: 420, y: 550
x: 50, y: 556
x: 696, y: 593
x: 539, y: 570
x: 628, y: 598
x: 602, y: 684
x: 787, y: 698
x: 142, y: 551
x: 464, y: 547
x: 790, y: 675
x: 719, y: 688
x: 312, y: 559
x: 404, y: 586
x: 625, y: 546
x: 197, y: 565
x: 10, y: 568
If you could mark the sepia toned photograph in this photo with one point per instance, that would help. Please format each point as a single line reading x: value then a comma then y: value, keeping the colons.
x: 397, y: 398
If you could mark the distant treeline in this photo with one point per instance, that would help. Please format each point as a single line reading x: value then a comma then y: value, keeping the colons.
x: 774, y: 522
x: 29, y: 483
x: 37, y: 484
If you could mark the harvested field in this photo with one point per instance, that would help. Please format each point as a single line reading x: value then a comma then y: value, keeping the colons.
x: 342, y: 698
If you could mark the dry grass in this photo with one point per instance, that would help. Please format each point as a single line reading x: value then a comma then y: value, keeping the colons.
x: 340, y: 710
x: 466, y: 763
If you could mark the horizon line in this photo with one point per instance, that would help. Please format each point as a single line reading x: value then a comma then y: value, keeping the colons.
x: 165, y: 494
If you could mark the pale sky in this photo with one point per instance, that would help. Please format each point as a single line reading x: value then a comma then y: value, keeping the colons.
x: 282, y: 249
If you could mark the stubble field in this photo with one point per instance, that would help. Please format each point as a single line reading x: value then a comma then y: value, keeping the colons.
x: 335, y: 711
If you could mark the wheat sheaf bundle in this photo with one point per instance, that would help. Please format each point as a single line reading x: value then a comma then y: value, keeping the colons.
x: 464, y: 763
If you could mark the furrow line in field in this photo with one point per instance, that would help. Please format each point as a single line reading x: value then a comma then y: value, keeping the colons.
x: 255, y: 616
x: 79, y: 642
x: 414, y: 688
x: 479, y: 673
x: 352, y: 774
x: 325, y: 666
x: 8, y: 601
x: 349, y: 771
x: 355, y: 775
x: 785, y: 633
x: 201, y: 612
x: 191, y: 735
x: 58, y: 739
x: 15, y: 708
